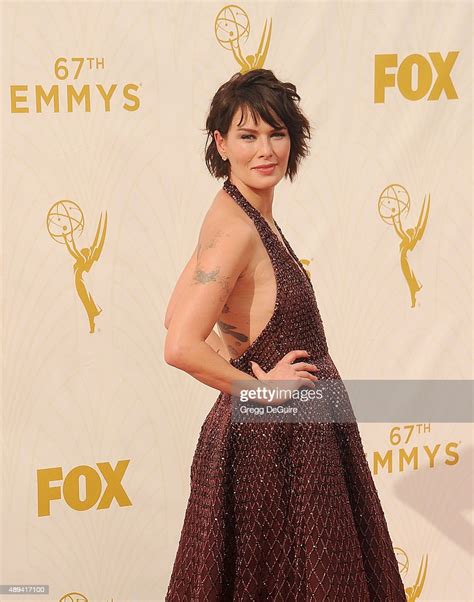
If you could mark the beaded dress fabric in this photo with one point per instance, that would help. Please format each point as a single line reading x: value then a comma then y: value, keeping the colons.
x: 283, y: 511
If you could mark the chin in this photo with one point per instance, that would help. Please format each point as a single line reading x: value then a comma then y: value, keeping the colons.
x: 267, y: 181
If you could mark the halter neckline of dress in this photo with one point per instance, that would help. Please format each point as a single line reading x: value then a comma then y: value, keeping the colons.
x: 235, y: 193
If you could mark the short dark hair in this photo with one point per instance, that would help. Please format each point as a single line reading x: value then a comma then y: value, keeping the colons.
x: 260, y: 92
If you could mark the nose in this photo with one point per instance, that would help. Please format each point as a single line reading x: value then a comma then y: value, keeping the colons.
x: 265, y: 147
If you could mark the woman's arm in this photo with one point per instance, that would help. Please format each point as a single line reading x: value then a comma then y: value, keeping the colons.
x: 214, y: 340
x: 223, y: 253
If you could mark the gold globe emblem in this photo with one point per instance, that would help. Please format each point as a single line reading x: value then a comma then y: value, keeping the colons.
x: 231, y: 26
x: 394, y: 201
x: 64, y: 219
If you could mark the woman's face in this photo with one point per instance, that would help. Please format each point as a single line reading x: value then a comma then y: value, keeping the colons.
x: 249, y: 145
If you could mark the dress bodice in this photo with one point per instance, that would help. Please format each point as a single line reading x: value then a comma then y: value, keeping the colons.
x: 295, y: 322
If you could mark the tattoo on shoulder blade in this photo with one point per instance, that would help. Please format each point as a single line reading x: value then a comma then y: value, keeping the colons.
x: 233, y: 351
x: 230, y: 329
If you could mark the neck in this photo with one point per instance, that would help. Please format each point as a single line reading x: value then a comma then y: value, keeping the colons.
x: 260, y: 198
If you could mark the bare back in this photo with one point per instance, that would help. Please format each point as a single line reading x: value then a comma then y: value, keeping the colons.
x: 251, y: 302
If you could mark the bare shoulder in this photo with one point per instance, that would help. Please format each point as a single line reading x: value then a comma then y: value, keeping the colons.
x: 223, y: 255
x: 225, y: 228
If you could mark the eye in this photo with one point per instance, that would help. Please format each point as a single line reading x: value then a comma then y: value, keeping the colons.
x: 247, y: 136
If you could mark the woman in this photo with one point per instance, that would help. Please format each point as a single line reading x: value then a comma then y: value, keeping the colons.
x: 277, y: 511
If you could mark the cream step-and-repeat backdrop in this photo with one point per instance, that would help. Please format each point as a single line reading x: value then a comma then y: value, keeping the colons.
x: 103, y: 110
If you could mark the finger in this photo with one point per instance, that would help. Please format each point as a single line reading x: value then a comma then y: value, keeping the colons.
x: 295, y: 354
x: 303, y: 373
x: 305, y: 366
x: 307, y: 383
x: 259, y: 373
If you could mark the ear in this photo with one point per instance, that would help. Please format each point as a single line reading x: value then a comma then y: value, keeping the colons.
x: 220, y: 142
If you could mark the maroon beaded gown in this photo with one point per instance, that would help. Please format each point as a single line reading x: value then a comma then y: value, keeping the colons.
x: 283, y: 511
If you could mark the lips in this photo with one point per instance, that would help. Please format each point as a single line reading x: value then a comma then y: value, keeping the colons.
x: 265, y: 170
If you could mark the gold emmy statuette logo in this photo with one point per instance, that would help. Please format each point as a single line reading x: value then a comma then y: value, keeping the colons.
x: 394, y: 202
x: 413, y: 592
x: 64, y: 221
x: 73, y: 597
x: 232, y: 28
